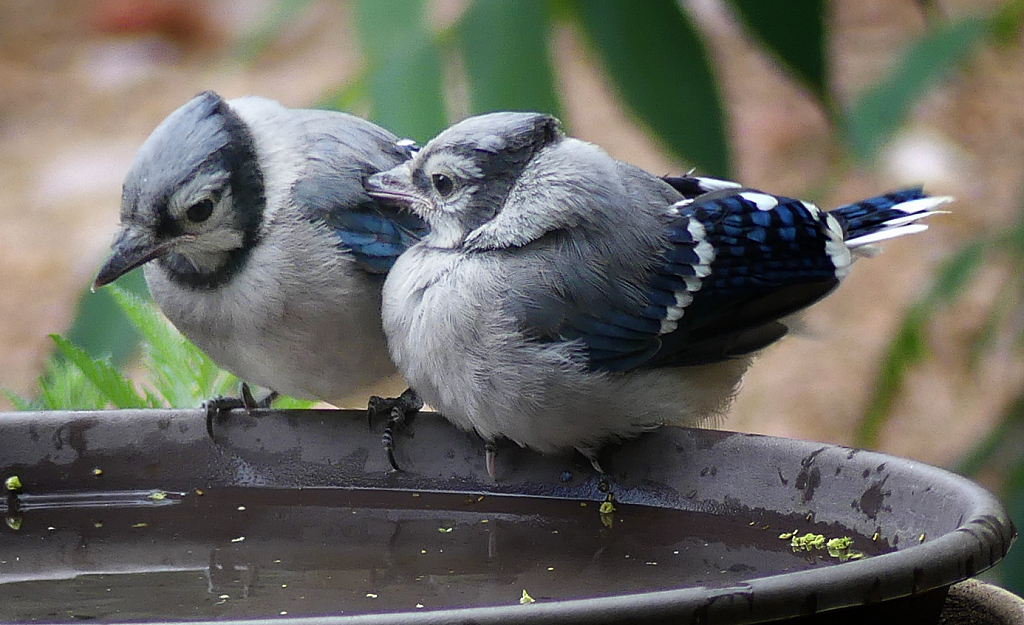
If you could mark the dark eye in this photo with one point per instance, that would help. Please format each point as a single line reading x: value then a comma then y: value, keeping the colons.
x: 200, y: 211
x: 443, y: 184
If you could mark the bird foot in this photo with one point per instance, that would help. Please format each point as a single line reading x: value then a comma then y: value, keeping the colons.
x: 398, y: 410
x: 217, y: 408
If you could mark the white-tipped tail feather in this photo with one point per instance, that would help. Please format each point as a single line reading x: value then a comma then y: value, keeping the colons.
x: 914, y: 210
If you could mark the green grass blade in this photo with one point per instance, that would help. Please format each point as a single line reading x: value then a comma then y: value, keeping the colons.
x: 879, y: 112
x: 19, y: 402
x: 64, y: 386
x: 794, y: 31
x: 116, y: 388
x: 659, y: 64
x: 181, y: 373
x: 404, y: 67
x: 505, y: 47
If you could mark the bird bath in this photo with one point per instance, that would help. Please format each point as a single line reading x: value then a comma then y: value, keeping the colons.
x: 137, y: 516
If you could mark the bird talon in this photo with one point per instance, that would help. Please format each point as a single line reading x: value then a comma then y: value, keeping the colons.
x: 248, y: 402
x: 388, y: 443
x: 490, y: 459
x: 217, y: 408
x: 375, y: 406
x: 399, y: 410
x: 411, y: 401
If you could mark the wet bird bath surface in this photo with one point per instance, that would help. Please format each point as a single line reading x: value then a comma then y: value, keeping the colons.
x: 252, y: 552
x: 138, y: 516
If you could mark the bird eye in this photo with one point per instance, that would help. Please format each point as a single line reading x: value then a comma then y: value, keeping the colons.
x: 200, y: 211
x: 443, y: 184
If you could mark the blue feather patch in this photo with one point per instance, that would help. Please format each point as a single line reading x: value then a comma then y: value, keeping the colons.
x: 375, y: 240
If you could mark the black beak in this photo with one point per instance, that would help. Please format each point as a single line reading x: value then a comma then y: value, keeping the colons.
x: 131, y: 249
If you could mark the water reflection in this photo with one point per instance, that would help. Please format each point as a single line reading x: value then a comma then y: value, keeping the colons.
x: 238, y: 553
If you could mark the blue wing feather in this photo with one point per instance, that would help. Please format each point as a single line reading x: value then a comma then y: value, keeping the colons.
x: 735, y: 262
x: 375, y: 233
x: 744, y: 282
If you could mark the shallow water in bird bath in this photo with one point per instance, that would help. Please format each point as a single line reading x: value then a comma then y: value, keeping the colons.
x: 237, y: 553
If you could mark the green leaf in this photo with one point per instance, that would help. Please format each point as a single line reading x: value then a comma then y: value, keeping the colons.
x: 100, y: 328
x: 505, y: 47
x: 285, y: 402
x: 794, y: 31
x: 909, y: 346
x: 660, y: 65
x: 1006, y: 23
x: 183, y: 376
x: 879, y: 112
x: 403, y: 67
x: 117, y: 389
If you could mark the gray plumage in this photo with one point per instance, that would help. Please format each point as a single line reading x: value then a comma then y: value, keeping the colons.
x: 266, y: 251
x: 564, y: 299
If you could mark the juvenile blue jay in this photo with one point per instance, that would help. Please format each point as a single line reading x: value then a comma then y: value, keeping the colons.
x: 563, y: 299
x: 260, y: 243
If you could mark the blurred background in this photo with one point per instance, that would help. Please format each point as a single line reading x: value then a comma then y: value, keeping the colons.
x: 917, y: 354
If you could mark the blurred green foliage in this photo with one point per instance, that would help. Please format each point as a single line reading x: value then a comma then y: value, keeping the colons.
x: 880, y: 112
x: 872, y: 120
x: 795, y: 32
x: 178, y: 374
x: 658, y: 62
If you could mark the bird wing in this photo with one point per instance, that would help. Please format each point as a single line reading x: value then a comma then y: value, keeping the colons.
x: 375, y: 232
x: 375, y: 235
x: 737, y: 260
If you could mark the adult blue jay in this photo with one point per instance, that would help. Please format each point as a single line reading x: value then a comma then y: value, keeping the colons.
x: 563, y: 299
x: 260, y: 243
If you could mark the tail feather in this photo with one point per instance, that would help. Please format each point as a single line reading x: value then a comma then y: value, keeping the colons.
x: 887, y: 216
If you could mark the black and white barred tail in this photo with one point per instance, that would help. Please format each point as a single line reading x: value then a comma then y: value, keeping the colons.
x: 886, y: 216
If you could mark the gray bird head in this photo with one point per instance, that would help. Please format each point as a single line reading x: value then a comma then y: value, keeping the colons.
x: 193, y: 198
x: 462, y: 179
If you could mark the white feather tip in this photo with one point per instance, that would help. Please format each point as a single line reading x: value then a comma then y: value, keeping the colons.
x: 923, y: 204
x: 885, y: 235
